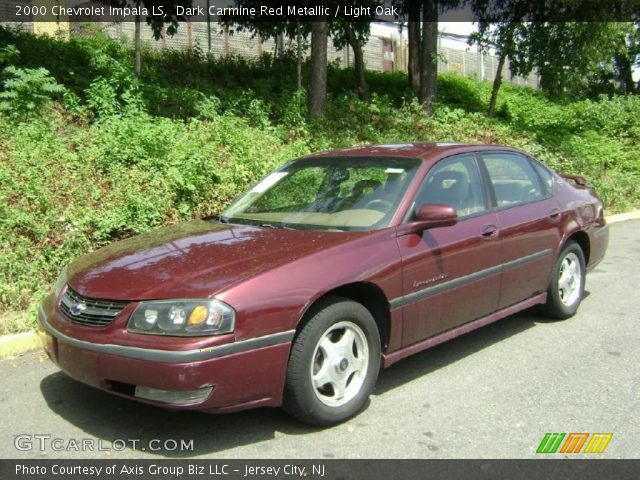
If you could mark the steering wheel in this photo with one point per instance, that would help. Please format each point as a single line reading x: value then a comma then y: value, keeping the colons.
x: 378, y: 204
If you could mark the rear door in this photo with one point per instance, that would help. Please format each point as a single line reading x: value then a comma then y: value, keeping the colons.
x: 529, y: 220
x: 451, y: 275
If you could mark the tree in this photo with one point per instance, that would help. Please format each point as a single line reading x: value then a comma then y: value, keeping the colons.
x: 627, y: 58
x: 423, y: 46
x: 500, y: 36
x: 343, y: 32
x: 290, y: 27
x: 501, y: 28
x: 414, y: 44
x: 429, y: 56
x: 354, y: 34
x: 318, y: 72
x: 167, y: 22
x: 298, y: 57
x: 410, y: 9
x: 568, y: 55
x: 137, y: 63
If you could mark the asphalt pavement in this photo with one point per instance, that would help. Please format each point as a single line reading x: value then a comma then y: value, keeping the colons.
x: 493, y: 393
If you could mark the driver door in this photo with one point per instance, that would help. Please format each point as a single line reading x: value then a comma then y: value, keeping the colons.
x: 451, y: 275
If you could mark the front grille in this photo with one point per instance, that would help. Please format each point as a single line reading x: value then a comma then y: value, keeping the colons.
x: 89, y: 311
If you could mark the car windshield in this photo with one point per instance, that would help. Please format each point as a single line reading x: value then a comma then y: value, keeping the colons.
x: 342, y: 193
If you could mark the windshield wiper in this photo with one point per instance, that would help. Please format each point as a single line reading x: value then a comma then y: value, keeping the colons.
x: 214, y: 218
x: 269, y: 225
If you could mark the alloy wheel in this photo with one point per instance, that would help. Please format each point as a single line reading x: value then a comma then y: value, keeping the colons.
x: 569, y: 279
x: 340, y: 363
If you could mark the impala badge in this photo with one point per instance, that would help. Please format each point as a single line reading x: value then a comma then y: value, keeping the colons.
x: 78, y: 308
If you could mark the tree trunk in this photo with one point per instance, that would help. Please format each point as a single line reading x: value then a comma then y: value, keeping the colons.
x: 358, y: 56
x: 497, y: 81
x: 429, y: 64
x: 137, y: 45
x: 414, y: 45
x: 318, y: 80
x: 550, y: 82
x: 280, y: 42
x: 298, y: 58
x: 626, y: 74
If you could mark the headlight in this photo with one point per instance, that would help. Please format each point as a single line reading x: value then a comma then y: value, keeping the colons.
x: 185, y: 318
x: 60, y: 282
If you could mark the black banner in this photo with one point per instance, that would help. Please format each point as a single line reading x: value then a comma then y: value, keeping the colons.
x: 548, y: 469
x: 18, y: 11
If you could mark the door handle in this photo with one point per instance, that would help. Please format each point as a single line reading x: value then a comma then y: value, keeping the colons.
x: 554, y: 214
x: 489, y: 232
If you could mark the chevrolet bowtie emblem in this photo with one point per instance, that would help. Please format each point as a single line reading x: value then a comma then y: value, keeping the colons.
x: 78, y: 308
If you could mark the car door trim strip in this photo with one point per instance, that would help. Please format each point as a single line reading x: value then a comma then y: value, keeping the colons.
x: 170, y: 356
x: 465, y: 279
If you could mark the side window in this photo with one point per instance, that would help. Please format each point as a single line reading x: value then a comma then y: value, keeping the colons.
x: 545, y: 175
x: 513, y: 179
x: 454, y: 181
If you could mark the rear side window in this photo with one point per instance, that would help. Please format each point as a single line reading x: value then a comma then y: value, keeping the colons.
x: 545, y: 175
x: 513, y: 179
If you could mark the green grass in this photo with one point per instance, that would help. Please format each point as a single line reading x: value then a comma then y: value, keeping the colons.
x: 109, y: 156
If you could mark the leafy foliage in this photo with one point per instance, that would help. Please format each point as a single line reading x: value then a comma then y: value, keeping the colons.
x: 116, y: 157
x: 27, y: 90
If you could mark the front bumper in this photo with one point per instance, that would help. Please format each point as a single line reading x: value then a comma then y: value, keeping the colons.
x: 240, y: 375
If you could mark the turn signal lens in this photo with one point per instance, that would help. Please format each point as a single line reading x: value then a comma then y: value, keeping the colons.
x: 198, y: 315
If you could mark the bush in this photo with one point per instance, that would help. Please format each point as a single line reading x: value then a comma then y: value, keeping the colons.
x: 119, y: 156
x: 26, y: 91
x: 461, y: 92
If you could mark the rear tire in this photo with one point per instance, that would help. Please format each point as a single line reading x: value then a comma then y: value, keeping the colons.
x: 333, y: 365
x: 566, y: 288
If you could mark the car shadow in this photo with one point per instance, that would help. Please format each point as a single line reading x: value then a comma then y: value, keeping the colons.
x: 456, y: 349
x: 107, y: 417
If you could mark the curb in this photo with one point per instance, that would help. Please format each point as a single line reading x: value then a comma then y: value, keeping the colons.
x: 623, y: 217
x: 21, y: 343
x: 18, y: 344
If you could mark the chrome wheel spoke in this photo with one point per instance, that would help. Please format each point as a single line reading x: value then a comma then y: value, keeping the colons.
x: 323, y: 377
x: 354, y: 368
x: 574, y: 270
x: 328, y: 348
x: 339, y: 388
x: 347, y: 339
x: 341, y: 362
x: 569, y: 280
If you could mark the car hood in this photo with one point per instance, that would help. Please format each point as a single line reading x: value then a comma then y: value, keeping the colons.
x: 194, y: 259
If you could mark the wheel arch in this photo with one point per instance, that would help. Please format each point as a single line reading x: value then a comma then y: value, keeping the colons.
x: 582, y: 239
x: 367, y: 294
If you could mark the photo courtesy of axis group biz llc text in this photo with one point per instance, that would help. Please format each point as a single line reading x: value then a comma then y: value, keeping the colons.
x: 324, y: 239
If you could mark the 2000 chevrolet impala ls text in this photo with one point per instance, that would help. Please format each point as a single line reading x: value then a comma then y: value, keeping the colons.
x: 331, y: 266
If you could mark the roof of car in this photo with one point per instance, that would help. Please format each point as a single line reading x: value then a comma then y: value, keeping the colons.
x: 423, y: 150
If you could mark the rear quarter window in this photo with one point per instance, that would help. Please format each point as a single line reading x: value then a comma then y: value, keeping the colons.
x: 545, y: 176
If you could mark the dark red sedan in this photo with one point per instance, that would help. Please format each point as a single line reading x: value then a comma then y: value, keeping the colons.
x: 331, y: 266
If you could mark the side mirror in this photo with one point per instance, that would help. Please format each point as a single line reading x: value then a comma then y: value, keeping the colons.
x: 430, y: 215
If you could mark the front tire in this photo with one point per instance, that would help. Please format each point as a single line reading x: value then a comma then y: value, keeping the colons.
x: 566, y: 288
x: 333, y: 365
